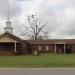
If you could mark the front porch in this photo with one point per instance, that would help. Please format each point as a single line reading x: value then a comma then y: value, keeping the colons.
x: 9, y: 44
x: 63, y: 47
x: 8, y: 48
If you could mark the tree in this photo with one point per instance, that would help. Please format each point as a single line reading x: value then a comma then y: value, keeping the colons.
x: 35, y: 30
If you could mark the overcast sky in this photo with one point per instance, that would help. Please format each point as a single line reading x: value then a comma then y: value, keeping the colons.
x: 59, y: 14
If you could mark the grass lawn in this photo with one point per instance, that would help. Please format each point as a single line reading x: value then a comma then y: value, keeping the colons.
x: 44, y: 60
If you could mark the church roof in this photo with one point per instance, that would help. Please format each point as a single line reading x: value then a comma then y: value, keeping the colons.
x: 52, y: 41
x: 10, y: 36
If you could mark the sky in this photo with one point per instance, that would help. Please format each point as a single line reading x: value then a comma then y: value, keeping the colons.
x: 59, y: 15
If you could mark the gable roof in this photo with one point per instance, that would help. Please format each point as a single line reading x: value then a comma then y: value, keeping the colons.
x: 10, y: 36
x: 47, y: 41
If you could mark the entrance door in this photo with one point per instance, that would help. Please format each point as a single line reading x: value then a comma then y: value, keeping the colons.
x: 60, y: 48
x: 68, y: 49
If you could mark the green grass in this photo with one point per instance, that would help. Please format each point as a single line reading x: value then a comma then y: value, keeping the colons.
x: 44, y: 60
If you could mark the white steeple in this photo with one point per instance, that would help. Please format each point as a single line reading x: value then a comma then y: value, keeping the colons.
x: 8, y: 27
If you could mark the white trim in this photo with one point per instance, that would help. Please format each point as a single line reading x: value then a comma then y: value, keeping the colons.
x: 40, y: 48
x: 55, y: 48
x: 47, y: 48
x: 15, y: 47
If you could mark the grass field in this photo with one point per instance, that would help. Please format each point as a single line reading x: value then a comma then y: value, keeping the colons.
x: 44, y: 60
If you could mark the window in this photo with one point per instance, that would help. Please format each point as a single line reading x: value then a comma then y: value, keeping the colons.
x: 40, y: 48
x: 47, y: 48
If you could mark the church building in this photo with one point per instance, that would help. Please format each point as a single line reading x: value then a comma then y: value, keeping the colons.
x: 13, y: 45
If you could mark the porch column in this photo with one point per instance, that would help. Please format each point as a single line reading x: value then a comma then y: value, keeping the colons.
x: 64, y: 48
x: 15, y: 47
x: 55, y: 48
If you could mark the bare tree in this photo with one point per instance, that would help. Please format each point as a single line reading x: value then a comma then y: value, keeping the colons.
x: 35, y: 30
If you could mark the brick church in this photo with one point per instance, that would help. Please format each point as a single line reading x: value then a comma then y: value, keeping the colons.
x: 13, y: 45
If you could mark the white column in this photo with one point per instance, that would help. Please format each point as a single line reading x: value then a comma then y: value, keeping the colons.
x: 64, y: 48
x: 35, y: 52
x: 55, y: 48
x: 15, y: 47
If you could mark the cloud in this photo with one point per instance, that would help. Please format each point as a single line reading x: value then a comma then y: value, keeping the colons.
x: 14, y: 8
x: 61, y: 20
x: 59, y: 14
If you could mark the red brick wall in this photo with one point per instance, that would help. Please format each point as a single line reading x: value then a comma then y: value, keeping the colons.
x: 51, y: 48
x: 73, y: 48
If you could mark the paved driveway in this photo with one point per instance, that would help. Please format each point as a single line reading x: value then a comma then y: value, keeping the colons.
x: 37, y: 71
